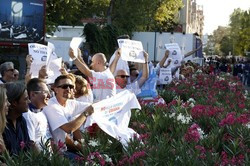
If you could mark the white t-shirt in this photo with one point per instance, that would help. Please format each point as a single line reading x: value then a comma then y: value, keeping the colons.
x: 132, y: 87
x: 103, y: 85
x: 58, y: 115
x: 121, y: 64
x: 86, y: 98
x: 38, y: 127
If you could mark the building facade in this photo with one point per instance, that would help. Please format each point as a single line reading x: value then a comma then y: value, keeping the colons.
x: 191, y: 17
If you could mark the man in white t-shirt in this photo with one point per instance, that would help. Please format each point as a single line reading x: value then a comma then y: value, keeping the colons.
x: 102, y: 80
x: 65, y: 115
x: 36, y: 120
x: 122, y: 77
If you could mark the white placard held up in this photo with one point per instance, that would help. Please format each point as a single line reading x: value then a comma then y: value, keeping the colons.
x: 74, y: 44
x: 131, y: 50
x: 165, y: 76
x: 174, y: 53
x: 53, y: 55
x: 54, y: 70
x: 40, y: 55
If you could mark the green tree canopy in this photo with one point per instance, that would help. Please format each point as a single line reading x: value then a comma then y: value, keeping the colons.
x: 127, y: 15
x: 240, y: 31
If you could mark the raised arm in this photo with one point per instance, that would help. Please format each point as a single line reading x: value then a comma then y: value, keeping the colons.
x: 191, y: 52
x: 113, y: 65
x: 28, y: 64
x: 145, y: 72
x: 82, y: 66
x: 164, y: 58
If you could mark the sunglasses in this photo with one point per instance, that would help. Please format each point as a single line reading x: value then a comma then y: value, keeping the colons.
x: 66, y: 86
x: 123, y: 76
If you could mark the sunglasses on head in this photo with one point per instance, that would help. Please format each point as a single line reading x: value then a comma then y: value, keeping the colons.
x: 123, y: 76
x: 66, y: 86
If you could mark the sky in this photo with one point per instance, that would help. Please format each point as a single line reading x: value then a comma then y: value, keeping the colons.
x: 217, y: 12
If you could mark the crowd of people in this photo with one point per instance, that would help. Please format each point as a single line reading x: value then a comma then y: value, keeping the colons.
x: 33, y: 112
x: 240, y: 69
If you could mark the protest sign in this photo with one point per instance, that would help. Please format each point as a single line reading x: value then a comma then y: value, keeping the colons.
x: 40, y: 55
x: 53, y: 55
x: 165, y: 76
x: 53, y: 70
x: 131, y: 50
x: 74, y: 44
x: 113, y: 115
x: 174, y: 53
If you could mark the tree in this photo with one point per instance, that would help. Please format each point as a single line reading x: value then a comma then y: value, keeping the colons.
x: 62, y: 12
x: 240, y: 31
x: 145, y: 15
x: 226, y: 45
x: 127, y: 15
x: 220, y: 38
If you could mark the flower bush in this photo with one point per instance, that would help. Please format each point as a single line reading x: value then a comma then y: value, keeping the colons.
x: 205, y: 122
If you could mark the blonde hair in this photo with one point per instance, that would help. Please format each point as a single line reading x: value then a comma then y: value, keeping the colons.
x: 2, y: 114
x: 83, y: 83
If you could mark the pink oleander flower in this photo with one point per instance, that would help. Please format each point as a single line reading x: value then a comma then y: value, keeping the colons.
x: 97, y: 155
x: 135, y: 156
x: 229, y: 120
x: 243, y: 119
x: 143, y: 136
x: 241, y: 105
x: 173, y: 102
x: 199, y: 111
x: 192, y: 134
x: 202, y: 151
x: 235, y: 160
x: 130, y: 160
x: 79, y: 158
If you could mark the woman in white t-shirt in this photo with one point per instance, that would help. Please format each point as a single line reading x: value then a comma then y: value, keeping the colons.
x: 83, y: 91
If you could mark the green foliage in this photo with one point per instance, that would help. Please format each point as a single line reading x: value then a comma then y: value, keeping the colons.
x: 177, y: 134
x: 101, y: 39
x: 240, y: 26
x: 234, y: 39
x: 127, y: 16
x: 145, y: 15
x: 62, y: 12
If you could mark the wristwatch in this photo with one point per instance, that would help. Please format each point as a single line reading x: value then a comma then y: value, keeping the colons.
x: 86, y: 113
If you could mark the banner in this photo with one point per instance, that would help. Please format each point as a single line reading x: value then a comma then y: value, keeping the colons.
x: 131, y: 50
x: 40, y: 55
x: 174, y: 53
x: 113, y: 115
x: 165, y: 76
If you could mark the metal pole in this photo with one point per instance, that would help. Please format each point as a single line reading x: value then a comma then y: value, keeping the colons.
x: 155, y: 48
